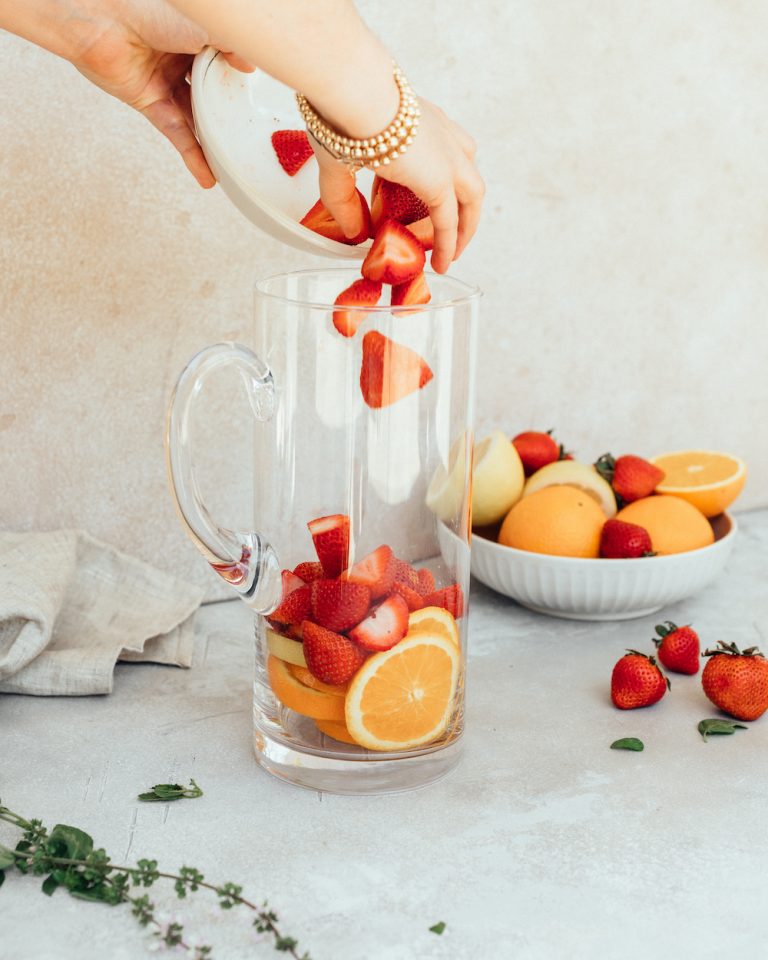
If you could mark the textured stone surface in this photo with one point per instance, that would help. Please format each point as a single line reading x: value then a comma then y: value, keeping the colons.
x: 623, y: 253
x: 543, y: 843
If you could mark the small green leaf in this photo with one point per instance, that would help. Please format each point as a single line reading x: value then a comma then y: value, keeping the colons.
x: 69, y: 842
x: 437, y: 928
x: 2, y: 877
x: 715, y: 725
x: 7, y: 859
x: 49, y: 885
x: 165, y: 792
x: 628, y: 743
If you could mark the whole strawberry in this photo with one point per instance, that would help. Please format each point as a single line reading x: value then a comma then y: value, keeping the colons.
x: 737, y: 681
x: 636, y: 681
x: 331, y: 657
x: 678, y: 647
x: 537, y: 449
x: 631, y: 477
x: 620, y: 540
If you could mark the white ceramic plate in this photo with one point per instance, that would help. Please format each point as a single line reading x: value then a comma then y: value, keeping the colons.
x: 600, y: 589
x: 235, y: 116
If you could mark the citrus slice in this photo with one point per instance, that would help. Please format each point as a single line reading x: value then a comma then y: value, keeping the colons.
x: 336, y: 730
x: 497, y: 479
x: 709, y: 480
x: 284, y: 648
x: 303, y: 675
x: 404, y: 697
x: 574, y: 474
x: 304, y: 700
x: 445, y: 493
x: 434, y: 619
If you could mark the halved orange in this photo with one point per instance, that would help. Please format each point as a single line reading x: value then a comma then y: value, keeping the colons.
x: 709, y: 480
x: 304, y: 700
x: 285, y: 648
x: 303, y: 675
x: 404, y: 697
x: 431, y: 619
x: 336, y: 730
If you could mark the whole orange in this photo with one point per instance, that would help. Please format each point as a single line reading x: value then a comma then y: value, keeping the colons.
x: 674, y: 525
x: 560, y: 520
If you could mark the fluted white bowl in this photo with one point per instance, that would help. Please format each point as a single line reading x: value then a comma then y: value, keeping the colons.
x: 600, y: 589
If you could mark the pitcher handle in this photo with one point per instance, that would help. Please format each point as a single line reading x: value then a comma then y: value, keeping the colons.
x: 246, y: 561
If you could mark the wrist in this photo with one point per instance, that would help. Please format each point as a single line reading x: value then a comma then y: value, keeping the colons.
x: 54, y: 25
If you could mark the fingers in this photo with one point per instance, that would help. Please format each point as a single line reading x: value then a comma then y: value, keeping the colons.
x: 445, y: 219
x: 236, y: 61
x: 470, y: 195
x: 337, y: 191
x: 169, y: 118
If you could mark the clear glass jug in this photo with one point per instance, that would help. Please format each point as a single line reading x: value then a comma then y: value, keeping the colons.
x: 359, y: 566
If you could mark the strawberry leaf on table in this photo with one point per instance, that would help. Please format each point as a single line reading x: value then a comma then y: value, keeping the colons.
x: 716, y: 725
x: 628, y: 743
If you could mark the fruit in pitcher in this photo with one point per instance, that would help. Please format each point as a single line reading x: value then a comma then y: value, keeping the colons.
x: 304, y: 700
x: 295, y: 607
x: 320, y: 220
x: 574, y: 474
x: 624, y: 541
x: 375, y: 571
x: 362, y: 293
x: 450, y: 598
x: 636, y: 681
x: 330, y: 536
x: 404, y: 697
x: 292, y: 149
x: 536, y: 449
x: 631, y: 477
x: 284, y: 648
x: 411, y: 293
x: 384, y: 626
x: 338, y: 605
x: 431, y: 619
x: 396, y: 202
x: 336, y: 730
x: 678, y: 647
x: 390, y: 370
x: 709, y: 481
x: 426, y: 581
x: 395, y: 255
x: 331, y: 657
x: 413, y: 599
x: 497, y: 479
x: 736, y: 681
x: 304, y: 675
x: 673, y: 524
x: 309, y: 570
x: 562, y: 521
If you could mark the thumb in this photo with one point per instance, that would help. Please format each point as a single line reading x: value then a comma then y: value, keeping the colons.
x: 338, y: 193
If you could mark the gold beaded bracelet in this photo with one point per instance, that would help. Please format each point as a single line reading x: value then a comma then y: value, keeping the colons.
x: 371, y: 152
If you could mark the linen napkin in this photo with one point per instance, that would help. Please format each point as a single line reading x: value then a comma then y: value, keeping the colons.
x: 71, y: 607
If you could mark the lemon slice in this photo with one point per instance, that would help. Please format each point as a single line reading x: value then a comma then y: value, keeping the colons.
x: 497, y: 479
x: 433, y: 619
x: 571, y: 473
x: 445, y: 493
x: 284, y: 648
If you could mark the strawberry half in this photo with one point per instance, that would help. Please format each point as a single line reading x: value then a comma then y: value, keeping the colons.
x: 451, y: 598
x: 396, y: 202
x: 338, y: 604
x: 375, y: 571
x: 330, y: 657
x: 309, y: 571
x: 620, y: 540
x: 395, y: 255
x: 385, y: 626
x: 330, y: 536
x: 411, y: 293
x: 292, y: 149
x: 426, y: 582
x: 424, y: 231
x: 362, y: 293
x: 390, y: 371
x: 405, y: 573
x: 412, y: 597
x: 319, y: 220
x: 295, y: 607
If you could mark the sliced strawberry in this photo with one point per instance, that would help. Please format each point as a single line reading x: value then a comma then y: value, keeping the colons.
x: 339, y: 605
x: 396, y: 202
x: 291, y: 582
x: 426, y: 582
x: 330, y: 536
x: 319, y: 220
x: 385, y: 626
x: 375, y: 571
x: 411, y: 292
x: 295, y: 630
x: 452, y: 598
x: 405, y: 573
x: 309, y: 571
x: 330, y: 657
x: 295, y: 607
x: 412, y: 597
x: 292, y: 149
x: 362, y: 293
x: 395, y: 255
x: 424, y: 231
x: 390, y: 371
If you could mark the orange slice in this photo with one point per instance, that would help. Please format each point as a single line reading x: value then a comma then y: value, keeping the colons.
x: 404, y: 697
x: 284, y: 648
x: 710, y: 481
x: 434, y: 620
x: 303, y: 675
x: 336, y: 730
x: 302, y: 699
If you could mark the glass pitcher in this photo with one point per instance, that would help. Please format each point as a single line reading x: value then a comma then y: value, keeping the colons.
x: 358, y: 567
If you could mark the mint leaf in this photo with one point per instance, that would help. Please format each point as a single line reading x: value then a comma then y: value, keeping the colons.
x: 437, y: 928
x: 628, y: 743
x: 69, y: 842
x: 7, y: 859
x: 49, y: 885
x: 715, y: 725
x: 165, y: 792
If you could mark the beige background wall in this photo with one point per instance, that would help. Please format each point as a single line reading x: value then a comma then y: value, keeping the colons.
x: 624, y: 252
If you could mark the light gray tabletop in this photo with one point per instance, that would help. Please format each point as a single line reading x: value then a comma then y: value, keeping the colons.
x: 543, y: 844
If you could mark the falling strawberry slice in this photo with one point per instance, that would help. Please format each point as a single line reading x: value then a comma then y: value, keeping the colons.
x: 424, y: 231
x: 362, y: 293
x: 411, y: 293
x: 396, y: 202
x: 395, y: 255
x: 330, y: 536
x: 292, y: 149
x: 452, y: 598
x: 330, y: 657
x: 319, y: 220
x: 390, y: 371
x: 385, y: 626
x: 338, y: 605
x: 376, y: 571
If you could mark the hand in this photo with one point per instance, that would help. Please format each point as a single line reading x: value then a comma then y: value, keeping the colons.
x: 438, y: 166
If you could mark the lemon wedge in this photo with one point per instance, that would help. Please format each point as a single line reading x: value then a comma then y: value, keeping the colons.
x: 497, y: 479
x: 571, y: 473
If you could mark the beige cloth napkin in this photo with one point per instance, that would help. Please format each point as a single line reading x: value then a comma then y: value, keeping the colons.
x: 71, y: 606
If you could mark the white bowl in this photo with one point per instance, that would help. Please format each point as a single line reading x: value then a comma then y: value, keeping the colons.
x: 235, y: 116
x: 600, y: 589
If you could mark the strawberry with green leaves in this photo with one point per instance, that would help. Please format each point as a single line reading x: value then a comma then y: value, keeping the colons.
x: 536, y: 449
x: 631, y: 477
x: 678, y: 647
x: 637, y: 681
x: 736, y: 681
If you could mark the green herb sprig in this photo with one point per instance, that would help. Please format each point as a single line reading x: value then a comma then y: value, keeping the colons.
x: 165, y: 792
x: 68, y: 859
